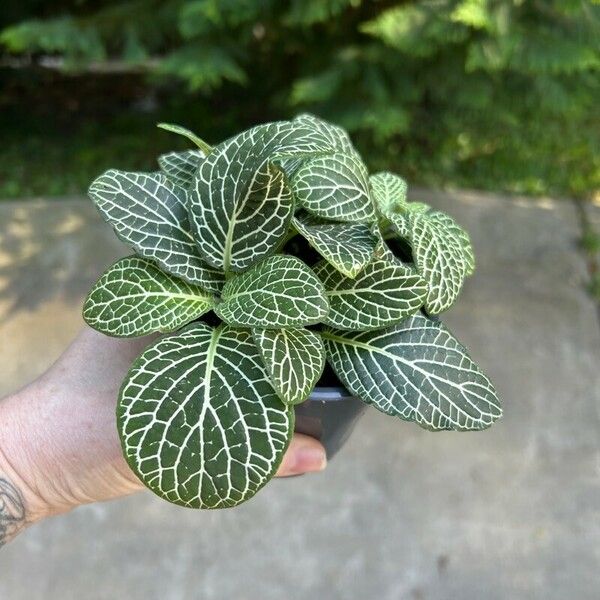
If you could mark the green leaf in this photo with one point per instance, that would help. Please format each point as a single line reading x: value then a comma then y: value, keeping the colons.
x: 199, y: 421
x: 190, y: 135
x: 281, y: 291
x: 294, y: 359
x: 181, y: 167
x: 134, y: 297
x: 382, y: 294
x: 389, y: 192
x: 332, y: 139
x: 148, y: 212
x: 417, y: 371
x: 347, y: 247
x: 336, y: 137
x: 240, y: 203
x: 335, y: 187
x: 442, y: 253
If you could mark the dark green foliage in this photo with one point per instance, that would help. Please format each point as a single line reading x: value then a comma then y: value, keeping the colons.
x: 483, y: 93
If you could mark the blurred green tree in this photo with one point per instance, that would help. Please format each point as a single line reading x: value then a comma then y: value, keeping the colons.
x: 498, y: 94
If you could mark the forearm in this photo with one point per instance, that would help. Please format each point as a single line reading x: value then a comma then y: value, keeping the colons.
x: 58, y: 442
x: 20, y: 503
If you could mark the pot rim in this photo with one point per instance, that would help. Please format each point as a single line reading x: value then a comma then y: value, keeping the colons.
x: 330, y: 394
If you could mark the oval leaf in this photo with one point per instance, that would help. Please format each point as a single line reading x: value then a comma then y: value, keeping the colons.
x: 148, y: 212
x: 442, y: 253
x: 240, y: 203
x: 199, y: 421
x: 382, y: 294
x: 134, y: 297
x: 281, y: 291
x: 389, y: 192
x: 181, y: 167
x: 416, y: 370
x: 294, y: 359
x: 335, y: 187
x: 347, y: 247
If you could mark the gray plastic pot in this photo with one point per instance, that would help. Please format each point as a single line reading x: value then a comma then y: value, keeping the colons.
x: 329, y: 415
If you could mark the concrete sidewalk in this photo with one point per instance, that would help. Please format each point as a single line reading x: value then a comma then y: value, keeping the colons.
x: 510, y: 513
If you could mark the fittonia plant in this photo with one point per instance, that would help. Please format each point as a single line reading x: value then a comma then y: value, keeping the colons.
x: 303, y: 258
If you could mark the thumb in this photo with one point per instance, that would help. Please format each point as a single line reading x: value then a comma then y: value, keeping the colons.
x: 304, y: 455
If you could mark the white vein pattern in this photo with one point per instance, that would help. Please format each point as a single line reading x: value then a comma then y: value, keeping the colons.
x: 199, y: 420
x: 347, y: 247
x: 389, y: 192
x: 240, y: 203
x: 148, y: 212
x: 294, y: 359
x: 335, y: 187
x: 333, y: 138
x: 442, y: 253
x: 281, y: 291
x: 134, y: 297
x: 337, y: 138
x: 416, y: 370
x: 181, y: 167
x: 382, y: 294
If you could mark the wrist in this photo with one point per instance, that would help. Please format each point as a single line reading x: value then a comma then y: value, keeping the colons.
x: 22, y: 467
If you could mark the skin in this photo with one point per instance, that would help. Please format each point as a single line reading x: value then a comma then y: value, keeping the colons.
x: 59, y: 447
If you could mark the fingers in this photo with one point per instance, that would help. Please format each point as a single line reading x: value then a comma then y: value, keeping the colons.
x: 304, y: 455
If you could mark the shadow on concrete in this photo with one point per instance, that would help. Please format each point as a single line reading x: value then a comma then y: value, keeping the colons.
x: 49, y: 250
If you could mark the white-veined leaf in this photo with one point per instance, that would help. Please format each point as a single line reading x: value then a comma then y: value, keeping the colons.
x: 281, y: 291
x: 441, y: 250
x: 240, y: 203
x: 190, y: 135
x: 348, y: 247
x: 148, y: 212
x: 134, y: 297
x: 382, y: 294
x: 181, y: 167
x: 389, y: 192
x: 199, y: 420
x: 337, y: 137
x: 294, y: 359
x: 416, y: 370
x: 335, y: 187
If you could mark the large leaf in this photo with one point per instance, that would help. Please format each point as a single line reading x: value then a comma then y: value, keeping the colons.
x: 442, y: 253
x: 294, y: 359
x: 383, y: 293
x: 347, y: 247
x: 416, y: 370
x: 389, y: 192
x: 134, y: 297
x: 335, y: 187
x: 181, y: 167
x: 200, y: 423
x: 240, y: 203
x: 148, y: 212
x: 281, y: 291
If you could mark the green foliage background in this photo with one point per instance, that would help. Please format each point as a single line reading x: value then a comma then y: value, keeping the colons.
x: 493, y: 94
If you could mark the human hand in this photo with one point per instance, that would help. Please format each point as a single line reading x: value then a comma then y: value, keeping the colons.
x: 59, y: 446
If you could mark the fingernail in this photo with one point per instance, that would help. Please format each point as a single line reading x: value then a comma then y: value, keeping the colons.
x: 309, y: 459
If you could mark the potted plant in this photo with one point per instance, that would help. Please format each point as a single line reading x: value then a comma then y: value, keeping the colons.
x: 266, y: 257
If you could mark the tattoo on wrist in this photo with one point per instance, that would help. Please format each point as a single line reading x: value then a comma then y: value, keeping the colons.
x: 12, y: 511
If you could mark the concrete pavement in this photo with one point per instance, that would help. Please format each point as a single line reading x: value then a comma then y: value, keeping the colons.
x: 509, y: 513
